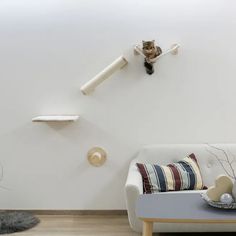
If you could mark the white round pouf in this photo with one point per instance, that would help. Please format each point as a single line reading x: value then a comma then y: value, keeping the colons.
x: 226, y: 198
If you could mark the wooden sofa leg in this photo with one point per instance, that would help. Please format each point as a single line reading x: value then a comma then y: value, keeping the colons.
x: 147, y: 228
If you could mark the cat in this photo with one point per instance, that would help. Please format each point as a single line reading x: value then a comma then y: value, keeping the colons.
x: 150, y: 50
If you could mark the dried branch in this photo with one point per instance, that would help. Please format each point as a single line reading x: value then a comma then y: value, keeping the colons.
x: 233, y: 175
x: 4, y: 187
x: 223, y: 160
x: 234, y: 157
x: 220, y: 163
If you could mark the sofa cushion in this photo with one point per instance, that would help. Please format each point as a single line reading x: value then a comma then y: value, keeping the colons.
x: 181, y: 175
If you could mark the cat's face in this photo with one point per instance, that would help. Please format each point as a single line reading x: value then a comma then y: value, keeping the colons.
x: 148, y: 46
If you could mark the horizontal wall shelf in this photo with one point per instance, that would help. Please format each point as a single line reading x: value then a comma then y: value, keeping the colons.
x: 55, y: 118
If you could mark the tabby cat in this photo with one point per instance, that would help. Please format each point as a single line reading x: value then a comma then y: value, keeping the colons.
x: 150, y: 50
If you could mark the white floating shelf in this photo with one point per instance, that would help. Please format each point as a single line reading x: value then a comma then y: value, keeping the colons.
x: 55, y: 118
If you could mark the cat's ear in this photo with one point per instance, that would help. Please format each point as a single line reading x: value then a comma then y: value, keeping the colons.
x: 143, y: 41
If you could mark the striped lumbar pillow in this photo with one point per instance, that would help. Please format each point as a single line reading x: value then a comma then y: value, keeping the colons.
x: 182, y: 175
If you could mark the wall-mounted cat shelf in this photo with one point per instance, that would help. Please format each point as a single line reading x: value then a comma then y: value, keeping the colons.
x: 55, y: 118
x: 119, y: 63
x: 152, y: 52
x: 173, y: 50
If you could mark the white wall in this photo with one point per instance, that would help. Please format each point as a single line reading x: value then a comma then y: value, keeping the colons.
x: 49, y: 48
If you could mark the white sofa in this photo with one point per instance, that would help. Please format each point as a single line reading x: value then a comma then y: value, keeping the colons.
x: 165, y: 154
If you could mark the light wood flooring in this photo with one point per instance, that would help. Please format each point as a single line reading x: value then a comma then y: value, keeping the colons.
x: 88, y: 225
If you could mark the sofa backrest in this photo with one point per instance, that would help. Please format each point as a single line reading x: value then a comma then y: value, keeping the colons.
x: 168, y: 153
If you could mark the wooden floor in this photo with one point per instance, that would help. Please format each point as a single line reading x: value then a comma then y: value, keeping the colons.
x: 87, y: 225
x: 83, y: 225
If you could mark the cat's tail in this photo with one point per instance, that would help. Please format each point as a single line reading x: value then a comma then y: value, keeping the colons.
x: 149, y: 67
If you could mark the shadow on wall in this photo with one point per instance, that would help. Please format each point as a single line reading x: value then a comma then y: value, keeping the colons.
x: 104, y: 198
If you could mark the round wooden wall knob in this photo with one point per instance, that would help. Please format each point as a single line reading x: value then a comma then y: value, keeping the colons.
x: 97, y: 156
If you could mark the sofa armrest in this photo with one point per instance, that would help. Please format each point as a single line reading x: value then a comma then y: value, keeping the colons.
x: 133, y: 188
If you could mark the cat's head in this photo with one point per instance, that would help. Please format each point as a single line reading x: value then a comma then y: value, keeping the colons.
x: 148, y: 46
